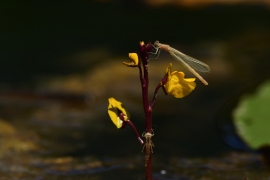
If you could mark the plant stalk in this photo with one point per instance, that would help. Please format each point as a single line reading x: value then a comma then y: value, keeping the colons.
x: 144, y: 49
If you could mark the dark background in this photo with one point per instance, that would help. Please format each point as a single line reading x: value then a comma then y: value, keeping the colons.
x: 59, y: 65
x: 38, y: 38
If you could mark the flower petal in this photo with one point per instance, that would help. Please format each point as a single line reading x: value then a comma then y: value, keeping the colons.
x: 177, y: 85
x: 114, y: 109
x: 134, y: 60
x: 168, y: 70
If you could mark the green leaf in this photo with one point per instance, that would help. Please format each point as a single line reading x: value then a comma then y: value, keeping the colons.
x: 252, y: 117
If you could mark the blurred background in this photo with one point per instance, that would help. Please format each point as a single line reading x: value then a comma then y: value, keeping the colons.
x: 61, y: 61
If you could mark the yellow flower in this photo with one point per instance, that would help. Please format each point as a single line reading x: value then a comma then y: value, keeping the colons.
x: 117, y: 112
x: 177, y: 85
x: 134, y: 60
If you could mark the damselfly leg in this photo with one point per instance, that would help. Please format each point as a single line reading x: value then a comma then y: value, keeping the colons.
x: 154, y: 54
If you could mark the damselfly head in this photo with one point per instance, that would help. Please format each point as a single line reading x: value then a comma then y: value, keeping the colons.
x: 154, y: 54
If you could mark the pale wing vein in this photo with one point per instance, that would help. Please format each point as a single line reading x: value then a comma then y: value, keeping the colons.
x: 192, y: 62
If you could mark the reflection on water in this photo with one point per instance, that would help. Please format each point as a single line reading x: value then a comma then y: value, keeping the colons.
x: 57, y: 136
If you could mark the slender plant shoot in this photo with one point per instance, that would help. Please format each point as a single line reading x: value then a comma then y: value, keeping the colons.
x: 188, y: 62
x: 172, y: 83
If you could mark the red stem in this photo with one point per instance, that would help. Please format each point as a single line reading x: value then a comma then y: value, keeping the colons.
x: 136, y: 132
x: 161, y: 84
x: 148, y: 169
x: 147, y: 108
x: 144, y: 49
x: 155, y: 95
x: 144, y: 85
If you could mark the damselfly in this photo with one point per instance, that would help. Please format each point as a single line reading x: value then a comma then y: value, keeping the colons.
x: 188, y: 62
